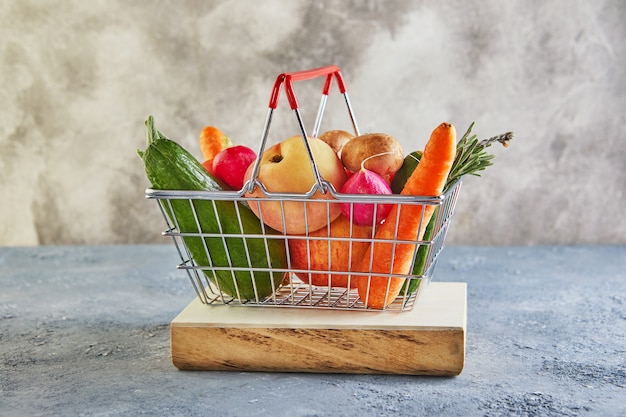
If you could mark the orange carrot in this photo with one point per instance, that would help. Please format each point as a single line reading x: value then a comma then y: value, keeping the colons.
x: 212, y: 140
x: 406, y: 222
x: 333, y: 254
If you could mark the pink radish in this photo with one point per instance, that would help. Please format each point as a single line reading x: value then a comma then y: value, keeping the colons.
x: 365, y: 182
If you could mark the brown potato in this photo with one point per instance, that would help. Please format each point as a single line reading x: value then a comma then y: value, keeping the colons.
x: 336, y: 139
x: 389, y: 155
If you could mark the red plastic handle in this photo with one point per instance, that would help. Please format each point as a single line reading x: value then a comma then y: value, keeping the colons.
x: 289, y: 77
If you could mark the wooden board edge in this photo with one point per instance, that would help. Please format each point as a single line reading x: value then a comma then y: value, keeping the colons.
x: 431, y: 352
x: 316, y: 347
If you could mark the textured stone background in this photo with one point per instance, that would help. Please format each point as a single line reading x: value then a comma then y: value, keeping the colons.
x: 79, y: 79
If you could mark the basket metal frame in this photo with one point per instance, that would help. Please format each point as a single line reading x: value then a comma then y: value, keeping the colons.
x: 294, y: 292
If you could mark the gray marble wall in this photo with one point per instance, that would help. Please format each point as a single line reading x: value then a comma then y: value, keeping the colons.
x: 79, y: 79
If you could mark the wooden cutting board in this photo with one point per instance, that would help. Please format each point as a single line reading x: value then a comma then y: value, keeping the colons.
x: 428, y: 340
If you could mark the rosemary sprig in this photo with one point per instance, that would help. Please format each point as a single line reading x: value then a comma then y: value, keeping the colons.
x: 471, y: 156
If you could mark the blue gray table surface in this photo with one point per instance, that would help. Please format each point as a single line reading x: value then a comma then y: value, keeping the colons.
x: 84, y: 331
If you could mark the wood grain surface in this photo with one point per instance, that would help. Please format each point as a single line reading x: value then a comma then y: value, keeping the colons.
x: 428, y: 340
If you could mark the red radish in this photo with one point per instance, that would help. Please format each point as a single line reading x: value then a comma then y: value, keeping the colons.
x: 365, y: 182
x: 230, y: 165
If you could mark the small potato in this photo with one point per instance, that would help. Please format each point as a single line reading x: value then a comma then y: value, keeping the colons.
x: 389, y: 155
x: 336, y: 139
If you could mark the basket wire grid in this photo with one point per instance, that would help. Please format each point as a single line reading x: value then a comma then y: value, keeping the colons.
x: 293, y: 291
x: 219, y: 283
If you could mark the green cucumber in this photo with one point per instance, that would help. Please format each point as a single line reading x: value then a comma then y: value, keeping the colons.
x: 419, y: 263
x: 169, y: 166
x: 405, y: 171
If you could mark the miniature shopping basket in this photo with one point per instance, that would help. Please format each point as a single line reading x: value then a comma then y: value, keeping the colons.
x: 232, y: 260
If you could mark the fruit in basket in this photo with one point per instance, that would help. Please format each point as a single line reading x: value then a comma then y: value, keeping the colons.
x: 339, y: 250
x: 212, y: 141
x: 365, y: 182
x: 394, y: 258
x: 169, y: 166
x: 286, y: 168
x: 230, y: 165
x: 336, y: 139
x: 388, y: 152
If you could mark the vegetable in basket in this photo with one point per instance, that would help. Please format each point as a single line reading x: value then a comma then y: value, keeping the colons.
x: 171, y: 167
x: 357, y: 153
x: 471, y: 157
x: 366, y: 182
x: 325, y: 255
x: 406, y: 222
x: 212, y: 141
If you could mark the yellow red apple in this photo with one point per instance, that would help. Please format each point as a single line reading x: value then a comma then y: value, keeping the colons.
x: 342, y: 255
x: 286, y: 168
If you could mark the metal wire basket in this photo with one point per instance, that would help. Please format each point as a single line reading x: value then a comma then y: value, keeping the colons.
x: 316, y: 269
